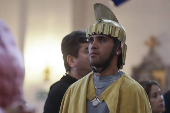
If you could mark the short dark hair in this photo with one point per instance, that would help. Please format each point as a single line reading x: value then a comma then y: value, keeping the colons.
x: 70, y: 45
x: 148, y: 84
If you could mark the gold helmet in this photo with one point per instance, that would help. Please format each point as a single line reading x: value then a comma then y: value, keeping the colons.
x: 108, y: 24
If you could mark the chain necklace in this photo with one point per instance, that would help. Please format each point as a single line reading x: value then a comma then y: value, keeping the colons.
x: 106, y: 83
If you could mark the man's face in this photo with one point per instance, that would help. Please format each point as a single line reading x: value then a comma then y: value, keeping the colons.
x: 82, y: 61
x: 100, y: 47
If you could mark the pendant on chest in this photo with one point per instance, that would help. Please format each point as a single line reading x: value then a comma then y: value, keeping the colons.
x: 96, y: 102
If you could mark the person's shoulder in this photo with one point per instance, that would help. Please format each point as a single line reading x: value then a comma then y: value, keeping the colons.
x: 60, y: 85
x: 81, y: 82
x: 129, y: 82
x: 79, y: 87
x: 131, y: 87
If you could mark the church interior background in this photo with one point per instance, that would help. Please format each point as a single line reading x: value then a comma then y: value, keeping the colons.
x: 40, y: 25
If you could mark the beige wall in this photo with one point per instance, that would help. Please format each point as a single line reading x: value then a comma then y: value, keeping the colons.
x: 10, y: 13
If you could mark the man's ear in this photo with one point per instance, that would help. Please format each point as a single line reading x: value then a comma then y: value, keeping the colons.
x: 71, y: 60
x: 119, y: 50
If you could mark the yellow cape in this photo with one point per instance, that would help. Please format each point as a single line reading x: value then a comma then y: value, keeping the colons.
x: 124, y: 95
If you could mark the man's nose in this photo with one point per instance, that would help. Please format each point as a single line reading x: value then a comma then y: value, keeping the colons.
x: 94, y: 44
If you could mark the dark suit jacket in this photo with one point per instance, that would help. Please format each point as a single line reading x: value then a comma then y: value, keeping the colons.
x: 57, y: 91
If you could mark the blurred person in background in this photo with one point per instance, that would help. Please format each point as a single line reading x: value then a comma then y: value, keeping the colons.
x: 167, y: 102
x: 155, y: 96
x: 11, y: 74
x: 74, y: 48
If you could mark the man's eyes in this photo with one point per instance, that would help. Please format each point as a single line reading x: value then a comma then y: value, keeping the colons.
x: 100, y: 39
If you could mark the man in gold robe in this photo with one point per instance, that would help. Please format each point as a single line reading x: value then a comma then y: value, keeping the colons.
x: 106, y: 89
